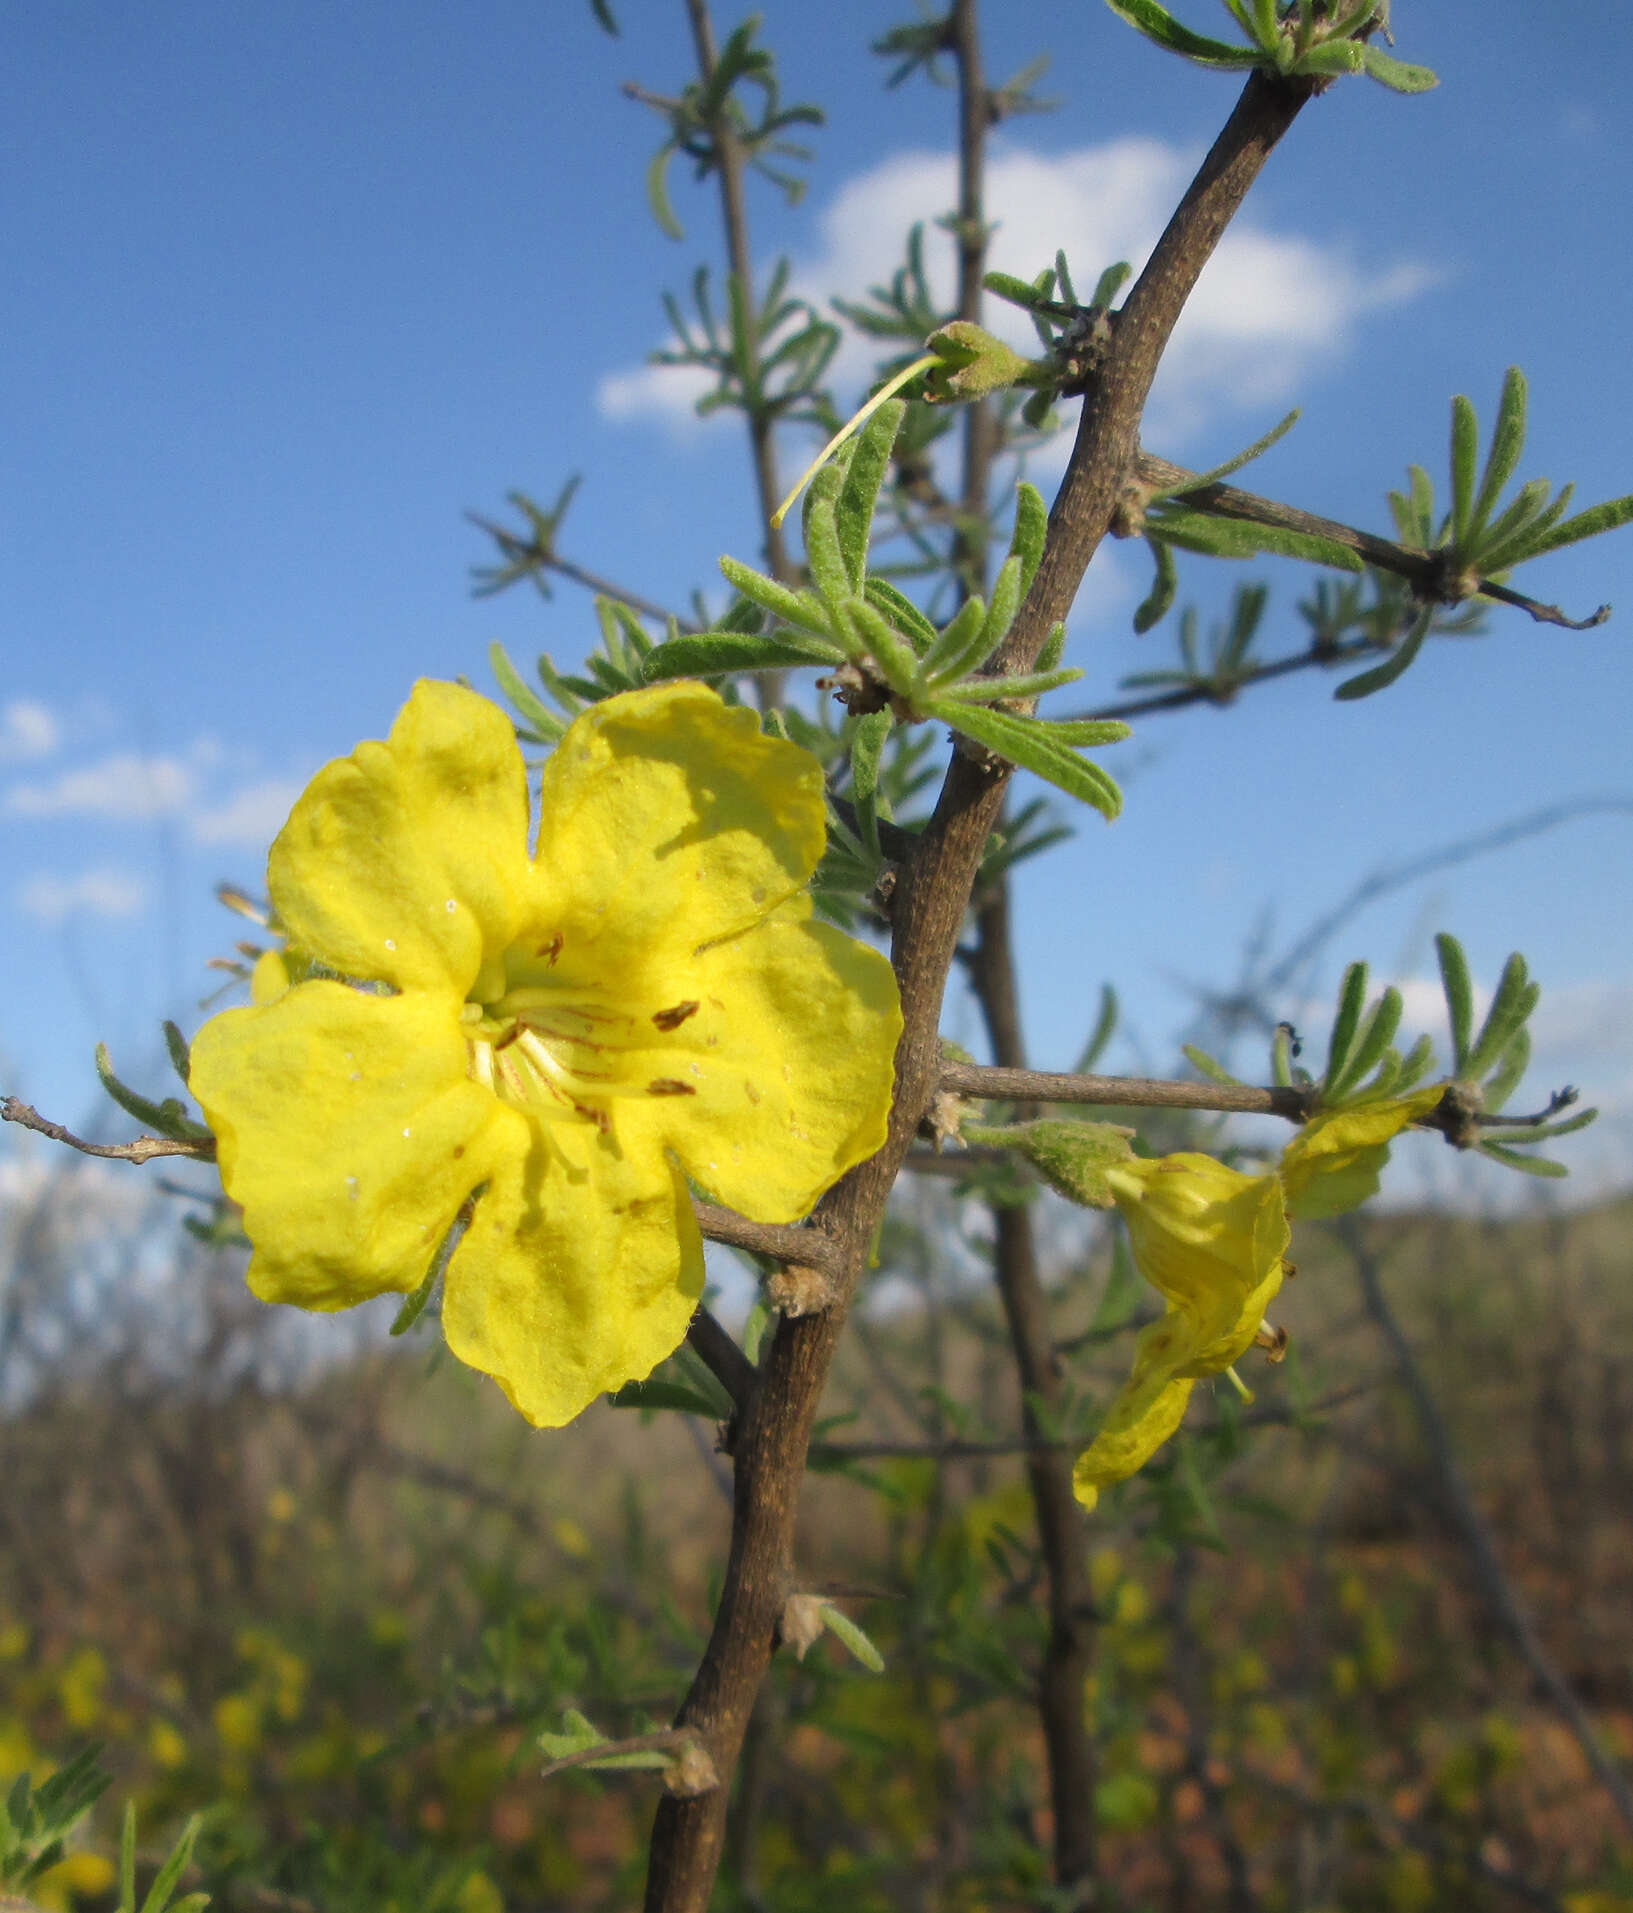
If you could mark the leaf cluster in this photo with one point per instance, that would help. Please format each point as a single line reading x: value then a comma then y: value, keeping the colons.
x: 1295, y: 39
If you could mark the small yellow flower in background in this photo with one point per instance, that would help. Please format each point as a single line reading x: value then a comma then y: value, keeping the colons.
x: 1210, y: 1240
x: 1332, y: 1165
x: 568, y: 1037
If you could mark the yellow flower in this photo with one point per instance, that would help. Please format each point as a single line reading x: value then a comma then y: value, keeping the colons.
x: 567, y: 1038
x: 1211, y: 1241
x: 1334, y: 1161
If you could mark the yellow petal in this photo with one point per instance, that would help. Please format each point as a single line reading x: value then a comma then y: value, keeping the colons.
x: 1139, y: 1422
x: 780, y: 1079
x: 407, y: 861
x: 1205, y: 1236
x: 349, y: 1132
x: 580, y: 1272
x: 667, y: 821
x: 1334, y: 1162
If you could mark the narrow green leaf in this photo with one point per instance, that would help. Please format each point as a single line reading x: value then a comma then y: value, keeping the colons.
x: 1209, y: 1066
x: 680, y: 1397
x: 1330, y: 59
x: 560, y: 688
x: 859, y: 494
x: 1006, y: 601
x: 902, y: 612
x: 1000, y: 690
x: 1503, y: 457
x: 1164, y: 587
x: 1371, y: 1041
x: 823, y: 551
x: 1459, y: 992
x: 1158, y: 24
x: 867, y: 745
x: 1589, y: 524
x: 1082, y: 731
x: 1531, y: 1165
x: 537, y: 715
x: 1415, y: 1065
x: 712, y: 654
x: 1381, y: 676
x: 657, y: 192
x: 1543, y: 1132
x: 1026, y: 742
x: 1110, y: 283
x: 1239, y: 538
x: 127, y: 1859
x: 958, y: 649
x: 1511, y: 1066
x: 893, y: 657
x: 1465, y: 453
x: 845, y: 1629
x: 1215, y: 473
x: 803, y: 609
x: 1352, y: 993
x: 165, y: 1880
x: 169, y: 1118
x: 1397, y: 75
x: 181, y: 1056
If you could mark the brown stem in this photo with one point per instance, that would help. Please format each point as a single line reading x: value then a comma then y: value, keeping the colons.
x: 927, y: 914
x: 996, y: 1084
x: 1063, y: 1677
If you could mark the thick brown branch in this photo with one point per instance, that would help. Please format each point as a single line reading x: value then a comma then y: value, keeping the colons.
x: 927, y: 912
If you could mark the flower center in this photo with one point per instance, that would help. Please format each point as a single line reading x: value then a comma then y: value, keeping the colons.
x: 553, y: 1052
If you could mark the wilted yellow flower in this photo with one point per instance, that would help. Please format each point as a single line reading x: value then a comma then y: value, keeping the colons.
x: 1211, y: 1241
x: 1333, y: 1163
x: 566, y: 1037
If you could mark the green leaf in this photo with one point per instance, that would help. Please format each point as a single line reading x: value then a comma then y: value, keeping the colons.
x: 1105, y: 1023
x: 1089, y: 730
x: 1459, y: 992
x: 680, y: 1397
x: 538, y: 715
x: 1373, y: 1039
x: 1588, y: 524
x: 1022, y: 684
x: 802, y: 609
x: 892, y: 656
x: 657, y: 192
x: 169, y: 1118
x: 823, y: 551
x: 1531, y: 1165
x: 1209, y: 1066
x: 1511, y: 1008
x: 858, y: 496
x: 1164, y: 587
x: 1006, y: 601
x: 1351, y: 1001
x: 1031, y: 528
x: 166, y: 1879
x: 959, y: 649
x: 867, y: 744
x: 707, y: 654
x: 1026, y: 742
x: 1330, y: 59
x: 1505, y: 1079
x: 1383, y: 675
x: 1158, y: 24
x: 901, y: 611
x: 579, y: 1735
x: 1240, y: 538
x: 1397, y: 74
x: 1503, y: 457
x: 1465, y: 452
x: 846, y: 1630
x: 181, y: 1056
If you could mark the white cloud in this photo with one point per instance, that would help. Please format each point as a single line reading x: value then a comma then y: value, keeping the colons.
x: 131, y: 788
x: 99, y: 893
x: 27, y: 731
x: 251, y: 817
x: 1266, y: 309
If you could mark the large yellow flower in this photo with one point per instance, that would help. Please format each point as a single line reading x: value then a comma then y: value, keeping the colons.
x: 568, y: 1037
x: 1334, y: 1162
x: 1210, y: 1240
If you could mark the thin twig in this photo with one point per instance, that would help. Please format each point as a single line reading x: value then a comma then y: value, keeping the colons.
x: 1425, y: 571
x: 142, y: 1149
x: 798, y: 1245
x: 721, y: 1355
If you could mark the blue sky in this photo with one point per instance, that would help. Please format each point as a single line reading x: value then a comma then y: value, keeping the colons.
x: 293, y: 286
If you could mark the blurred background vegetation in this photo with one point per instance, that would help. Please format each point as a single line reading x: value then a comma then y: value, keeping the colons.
x: 332, y: 1605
